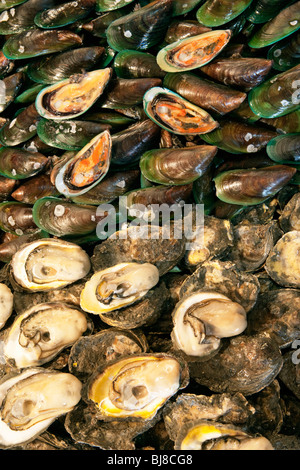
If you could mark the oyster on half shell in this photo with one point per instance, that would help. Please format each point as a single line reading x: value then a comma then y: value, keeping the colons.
x: 48, y: 264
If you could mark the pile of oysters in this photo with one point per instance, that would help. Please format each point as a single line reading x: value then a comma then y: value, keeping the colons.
x: 115, y: 332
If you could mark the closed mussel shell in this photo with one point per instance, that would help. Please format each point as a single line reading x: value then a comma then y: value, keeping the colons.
x: 17, y: 218
x: 262, y: 11
x: 285, y: 54
x: 64, y: 14
x: 137, y: 64
x: 142, y: 28
x: 110, y: 5
x: 54, y: 68
x: 36, y: 42
x: 252, y: 186
x: 218, y: 12
x: 6, y: 4
x: 69, y: 134
x: 181, y: 29
x: 125, y: 93
x: 35, y: 188
x: 12, y: 85
x: 21, y: 128
x: 279, y: 27
x: 177, y: 166
x: 173, y: 113
x: 207, y: 94
x: 285, y: 148
x: 17, y: 163
x: 21, y: 18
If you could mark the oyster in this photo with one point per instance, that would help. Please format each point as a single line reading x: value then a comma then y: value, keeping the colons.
x: 40, y: 333
x: 6, y: 304
x: 135, y: 386
x: 282, y: 264
x: 202, y: 319
x: 32, y: 400
x: 73, y: 96
x: 208, y: 435
x: 48, y: 264
x: 118, y: 286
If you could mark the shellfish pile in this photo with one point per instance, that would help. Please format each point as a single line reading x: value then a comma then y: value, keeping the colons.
x: 128, y: 337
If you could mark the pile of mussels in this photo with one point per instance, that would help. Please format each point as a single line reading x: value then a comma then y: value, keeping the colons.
x: 133, y: 341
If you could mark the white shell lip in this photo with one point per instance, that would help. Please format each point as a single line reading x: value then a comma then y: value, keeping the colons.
x: 6, y: 304
x: 18, y: 264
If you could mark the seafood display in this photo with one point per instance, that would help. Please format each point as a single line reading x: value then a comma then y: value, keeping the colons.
x: 149, y: 225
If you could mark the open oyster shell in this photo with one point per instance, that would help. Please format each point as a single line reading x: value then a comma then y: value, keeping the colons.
x: 32, y: 400
x: 48, y: 264
x: 6, y: 303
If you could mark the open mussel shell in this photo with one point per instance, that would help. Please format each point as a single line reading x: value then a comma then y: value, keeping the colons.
x: 114, y: 185
x: 129, y: 144
x: 282, y: 263
x: 21, y: 128
x: 193, y: 52
x: 252, y: 186
x: 21, y: 18
x: 211, y: 435
x: 282, y: 25
x: 137, y: 64
x: 175, y: 114
x: 12, y: 85
x: 50, y: 394
x: 36, y: 42
x: 277, y: 96
x: 40, y: 333
x: 141, y: 29
x: 218, y: 12
x: 18, y: 164
x: 62, y: 218
x: 73, y: 96
x: 16, y: 217
x: 285, y: 54
x: 202, y: 319
x: 69, y: 134
x: 126, y: 92
x: 241, y: 72
x: 138, y: 375
x: 177, y: 166
x: 239, y: 137
x: 213, y: 97
x: 117, y: 287
x: 285, y: 148
x: 87, y: 168
x: 64, y: 14
x: 57, y: 67
x: 48, y: 264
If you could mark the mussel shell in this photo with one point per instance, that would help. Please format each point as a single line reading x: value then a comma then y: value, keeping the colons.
x: 216, y: 13
x: 69, y: 134
x: 277, y: 96
x: 64, y: 14
x: 239, y: 137
x: 21, y: 128
x: 98, y: 25
x: 53, y: 102
x: 137, y: 64
x: 285, y: 148
x: 289, y: 123
x: 6, y: 65
x: 285, y: 54
x: 125, y: 93
x: 60, y: 66
x: 7, y: 186
x: 110, y: 5
x: 180, y: 8
x: 29, y: 95
x: 6, y: 4
x: 87, y: 168
x: 17, y: 218
x: 140, y: 29
x: 9, y: 248
x: 21, y: 18
x: 193, y: 52
x: 129, y: 145
x: 242, y: 72
x: 17, y: 163
x: 215, y: 98
x: 12, y: 85
x: 115, y: 184
x: 262, y: 11
x: 176, y: 166
x: 253, y: 186
x: 173, y: 113
x: 181, y: 29
x: 36, y: 42
x: 284, y: 24
x: 33, y: 189
x: 61, y: 218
